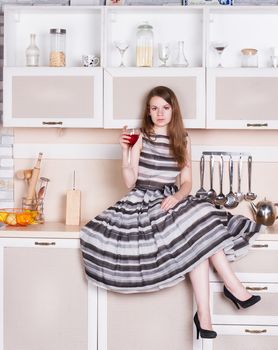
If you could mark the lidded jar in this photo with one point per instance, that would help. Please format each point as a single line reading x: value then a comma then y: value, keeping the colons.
x: 144, y: 45
x: 57, y: 57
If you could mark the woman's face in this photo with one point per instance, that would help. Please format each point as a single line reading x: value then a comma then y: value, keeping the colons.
x: 160, y: 112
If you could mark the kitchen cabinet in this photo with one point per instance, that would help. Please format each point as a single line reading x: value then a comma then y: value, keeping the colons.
x: 220, y: 98
x: 237, y: 97
x: 255, y: 327
x: 242, y: 98
x: 125, y: 91
x: 45, y: 96
x: 46, y: 300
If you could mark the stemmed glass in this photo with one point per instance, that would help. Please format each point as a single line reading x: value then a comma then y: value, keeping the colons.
x: 219, y: 47
x: 163, y: 53
x: 133, y: 134
x: 122, y: 46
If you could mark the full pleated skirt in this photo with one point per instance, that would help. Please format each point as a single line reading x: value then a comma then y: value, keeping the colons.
x: 134, y: 246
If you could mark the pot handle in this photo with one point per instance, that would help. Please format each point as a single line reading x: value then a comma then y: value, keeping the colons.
x: 276, y: 204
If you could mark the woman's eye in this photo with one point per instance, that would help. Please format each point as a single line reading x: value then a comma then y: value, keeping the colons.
x: 153, y: 108
x: 166, y: 108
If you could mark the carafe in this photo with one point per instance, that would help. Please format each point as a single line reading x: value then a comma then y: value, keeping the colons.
x: 32, y: 52
x: 180, y: 60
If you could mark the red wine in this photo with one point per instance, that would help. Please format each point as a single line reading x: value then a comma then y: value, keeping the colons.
x: 133, y: 139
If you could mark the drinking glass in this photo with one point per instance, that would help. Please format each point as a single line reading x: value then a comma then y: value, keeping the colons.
x: 134, y: 135
x: 122, y: 46
x: 219, y: 47
x: 163, y: 53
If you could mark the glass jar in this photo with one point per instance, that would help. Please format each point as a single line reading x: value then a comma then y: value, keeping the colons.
x: 32, y: 52
x: 144, y: 45
x: 249, y: 58
x: 57, y: 56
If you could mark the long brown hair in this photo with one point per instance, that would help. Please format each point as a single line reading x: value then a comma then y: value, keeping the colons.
x: 175, y: 129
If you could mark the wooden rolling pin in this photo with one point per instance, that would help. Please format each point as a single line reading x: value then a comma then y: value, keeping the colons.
x: 33, y: 181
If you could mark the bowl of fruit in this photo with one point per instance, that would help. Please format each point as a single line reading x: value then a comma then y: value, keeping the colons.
x: 17, y: 216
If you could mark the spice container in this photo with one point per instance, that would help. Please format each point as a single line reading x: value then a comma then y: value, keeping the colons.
x: 57, y: 56
x: 144, y: 45
x: 249, y: 58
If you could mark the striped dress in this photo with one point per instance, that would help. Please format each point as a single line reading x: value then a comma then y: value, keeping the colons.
x: 134, y: 246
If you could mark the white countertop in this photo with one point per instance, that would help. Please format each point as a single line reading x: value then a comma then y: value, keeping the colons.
x: 61, y: 230
x: 46, y: 230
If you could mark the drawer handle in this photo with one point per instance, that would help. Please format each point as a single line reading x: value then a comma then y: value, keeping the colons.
x: 255, y: 331
x: 257, y: 124
x: 52, y: 123
x: 45, y: 243
x: 256, y: 288
x: 259, y: 245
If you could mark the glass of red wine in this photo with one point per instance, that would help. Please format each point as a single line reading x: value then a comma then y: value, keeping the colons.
x: 134, y: 135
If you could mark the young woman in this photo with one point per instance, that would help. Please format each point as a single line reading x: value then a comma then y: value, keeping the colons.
x: 158, y: 232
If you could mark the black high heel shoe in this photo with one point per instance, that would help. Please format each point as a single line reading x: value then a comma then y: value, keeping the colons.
x: 204, y: 333
x: 244, y: 304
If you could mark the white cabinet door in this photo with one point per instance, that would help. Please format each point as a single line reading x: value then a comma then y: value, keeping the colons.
x: 242, y: 98
x: 126, y: 89
x: 52, y: 97
x: 45, y: 296
x: 265, y: 312
x: 259, y: 265
x: 245, y: 337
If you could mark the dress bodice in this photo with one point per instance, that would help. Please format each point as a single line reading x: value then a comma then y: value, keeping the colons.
x: 157, y: 167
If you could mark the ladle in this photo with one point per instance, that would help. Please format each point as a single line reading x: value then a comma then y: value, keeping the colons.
x: 202, y: 193
x: 211, y: 191
x: 250, y: 196
x: 231, y: 201
x: 221, y: 198
x: 239, y: 195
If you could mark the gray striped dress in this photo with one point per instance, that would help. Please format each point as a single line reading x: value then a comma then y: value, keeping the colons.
x: 134, y: 246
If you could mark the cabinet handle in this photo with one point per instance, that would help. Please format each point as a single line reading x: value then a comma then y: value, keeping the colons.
x: 45, y: 243
x: 257, y: 124
x: 255, y: 331
x: 259, y: 245
x: 52, y: 123
x: 256, y: 288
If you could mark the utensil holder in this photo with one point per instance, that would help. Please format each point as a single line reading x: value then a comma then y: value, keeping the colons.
x: 35, y: 206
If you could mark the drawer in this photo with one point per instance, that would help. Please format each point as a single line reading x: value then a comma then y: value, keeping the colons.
x: 265, y: 312
x: 245, y: 337
x: 259, y: 265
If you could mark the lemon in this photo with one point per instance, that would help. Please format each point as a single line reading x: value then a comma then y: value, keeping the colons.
x: 3, y: 216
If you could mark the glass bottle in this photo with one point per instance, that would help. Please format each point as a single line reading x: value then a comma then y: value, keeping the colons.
x: 144, y: 45
x: 32, y: 52
x: 57, y: 56
x: 180, y: 60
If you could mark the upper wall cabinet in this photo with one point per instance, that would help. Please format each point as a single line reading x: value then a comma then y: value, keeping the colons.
x: 44, y: 96
x: 170, y: 24
x: 241, y: 27
x: 126, y: 90
x: 126, y: 86
x: 241, y: 93
x: 51, y: 97
x: 242, y: 98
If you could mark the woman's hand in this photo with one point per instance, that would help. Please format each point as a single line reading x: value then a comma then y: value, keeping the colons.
x: 124, y: 139
x: 169, y: 202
